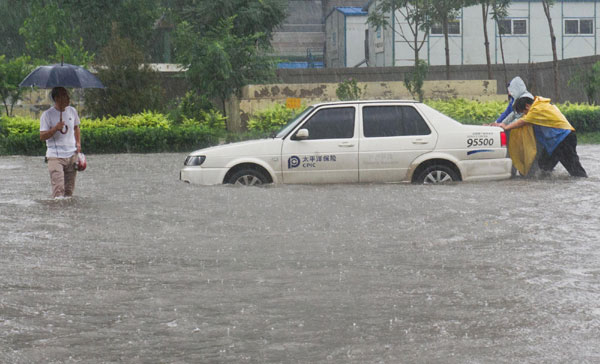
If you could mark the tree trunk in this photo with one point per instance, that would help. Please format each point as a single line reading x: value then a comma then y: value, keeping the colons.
x: 554, y: 53
x: 502, y: 53
x: 416, y: 49
x: 231, y: 107
x: 484, y: 13
x: 447, y: 46
x: 416, y: 43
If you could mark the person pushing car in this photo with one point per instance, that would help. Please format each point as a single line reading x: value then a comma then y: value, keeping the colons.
x: 542, y: 121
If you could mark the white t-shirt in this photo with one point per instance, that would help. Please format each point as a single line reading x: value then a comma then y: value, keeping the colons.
x: 60, y: 145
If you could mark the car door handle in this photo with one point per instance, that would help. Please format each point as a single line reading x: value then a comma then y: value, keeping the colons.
x: 419, y: 141
x: 345, y: 145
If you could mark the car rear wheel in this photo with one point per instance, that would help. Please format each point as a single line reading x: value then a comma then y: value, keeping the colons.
x: 437, y: 174
x: 248, y: 177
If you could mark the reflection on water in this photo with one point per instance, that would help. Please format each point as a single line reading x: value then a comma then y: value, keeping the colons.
x: 139, y: 267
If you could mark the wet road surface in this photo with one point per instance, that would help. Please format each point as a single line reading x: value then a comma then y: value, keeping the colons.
x: 139, y: 267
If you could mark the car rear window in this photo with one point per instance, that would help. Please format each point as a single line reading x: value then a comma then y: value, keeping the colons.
x: 388, y: 121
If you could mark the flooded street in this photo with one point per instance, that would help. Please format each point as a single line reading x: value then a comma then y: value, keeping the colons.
x: 142, y: 268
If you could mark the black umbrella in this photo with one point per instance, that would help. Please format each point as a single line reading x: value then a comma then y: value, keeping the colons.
x: 63, y: 74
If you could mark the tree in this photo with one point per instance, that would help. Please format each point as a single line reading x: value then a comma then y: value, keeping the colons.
x: 11, y: 74
x: 225, y: 44
x: 73, y: 55
x: 442, y: 12
x: 547, y: 4
x: 251, y: 16
x: 13, y: 15
x: 45, y: 22
x: 131, y: 86
x: 220, y: 63
x: 498, y: 10
x: 414, y: 80
x: 485, y: 10
x: 415, y: 13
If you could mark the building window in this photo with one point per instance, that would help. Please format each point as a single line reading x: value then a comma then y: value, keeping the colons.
x: 579, y: 26
x: 378, y: 32
x: 512, y: 26
x: 453, y: 28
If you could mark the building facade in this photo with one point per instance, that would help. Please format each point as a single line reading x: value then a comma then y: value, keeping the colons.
x: 345, y: 28
x: 522, y: 37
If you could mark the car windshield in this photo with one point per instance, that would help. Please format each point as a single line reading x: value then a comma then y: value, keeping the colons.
x: 292, y: 123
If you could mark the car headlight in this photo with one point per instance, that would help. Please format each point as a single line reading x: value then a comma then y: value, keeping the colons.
x: 194, y: 160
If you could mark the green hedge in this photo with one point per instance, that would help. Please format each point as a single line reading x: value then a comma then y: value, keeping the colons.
x: 150, y: 132
x: 271, y: 119
x: 469, y: 111
x: 23, y: 125
x: 146, y: 132
x: 584, y: 118
x: 120, y: 140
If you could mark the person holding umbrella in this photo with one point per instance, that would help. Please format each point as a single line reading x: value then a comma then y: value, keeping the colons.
x: 59, y: 127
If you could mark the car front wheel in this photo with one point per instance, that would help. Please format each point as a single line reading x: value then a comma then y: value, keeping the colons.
x: 248, y: 177
x: 437, y: 174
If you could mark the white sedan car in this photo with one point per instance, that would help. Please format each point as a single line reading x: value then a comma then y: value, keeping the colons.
x: 355, y: 142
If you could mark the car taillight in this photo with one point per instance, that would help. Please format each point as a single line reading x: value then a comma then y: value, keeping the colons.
x: 503, y: 139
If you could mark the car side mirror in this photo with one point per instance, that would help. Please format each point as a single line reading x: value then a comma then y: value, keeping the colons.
x: 301, y: 134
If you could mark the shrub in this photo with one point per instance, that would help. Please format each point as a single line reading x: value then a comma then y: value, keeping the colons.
x: 18, y: 125
x: 414, y: 80
x: 140, y: 133
x: 23, y: 144
x: 145, y: 119
x: 232, y: 137
x: 147, y: 140
x: 583, y: 117
x: 210, y: 119
x: 469, y: 111
x: 191, y: 106
x: 120, y: 140
x: 349, y: 90
x: 271, y: 119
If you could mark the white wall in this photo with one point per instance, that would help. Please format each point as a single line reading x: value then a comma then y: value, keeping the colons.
x: 345, y: 39
x: 381, y: 43
x: 355, y: 39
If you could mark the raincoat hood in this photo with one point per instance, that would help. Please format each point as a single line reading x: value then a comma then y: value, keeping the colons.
x: 517, y: 88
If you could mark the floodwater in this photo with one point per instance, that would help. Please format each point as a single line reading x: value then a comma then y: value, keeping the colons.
x: 139, y: 267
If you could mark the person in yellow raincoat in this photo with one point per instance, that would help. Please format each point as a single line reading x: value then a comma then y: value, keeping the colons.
x: 543, y: 121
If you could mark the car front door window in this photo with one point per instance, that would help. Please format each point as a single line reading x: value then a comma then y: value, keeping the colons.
x: 334, y: 123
